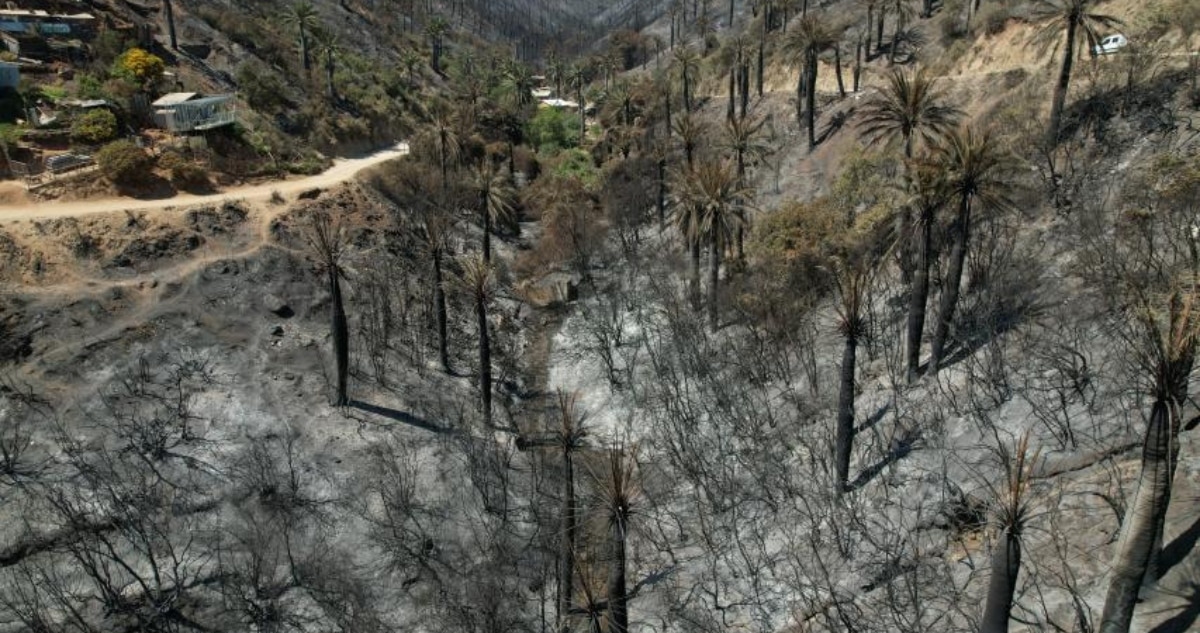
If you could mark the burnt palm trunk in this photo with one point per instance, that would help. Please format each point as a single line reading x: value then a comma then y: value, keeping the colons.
x: 305, y: 61
x: 582, y: 114
x: 694, y: 278
x: 919, y: 295
x: 744, y: 88
x: 837, y: 64
x: 566, y: 552
x: 714, y: 278
x: 661, y: 204
x: 439, y: 308
x: 485, y: 360
x: 879, y: 24
x: 341, y: 336
x: 687, y: 91
x: 1006, y: 565
x: 958, y: 257
x: 1064, y: 82
x: 896, y: 28
x: 811, y: 100
x: 731, y: 106
x: 618, y: 613
x: 870, y: 27
x: 762, y: 45
x: 487, y: 227
x: 845, y: 414
x: 169, y: 9
x: 329, y: 76
x: 1145, y: 518
x: 858, y: 55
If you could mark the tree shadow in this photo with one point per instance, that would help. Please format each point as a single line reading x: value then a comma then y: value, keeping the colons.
x: 902, y: 447
x: 1183, y: 621
x: 399, y: 416
x: 870, y: 422
x: 836, y: 122
x: 1174, y: 552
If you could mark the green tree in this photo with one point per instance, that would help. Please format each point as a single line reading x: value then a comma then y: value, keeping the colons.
x: 303, y: 16
x: 98, y: 125
x: 980, y: 177
x: 124, y: 163
x: 1076, y: 19
x: 806, y: 41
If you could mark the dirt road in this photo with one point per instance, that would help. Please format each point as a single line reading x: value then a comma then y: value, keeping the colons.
x: 341, y: 171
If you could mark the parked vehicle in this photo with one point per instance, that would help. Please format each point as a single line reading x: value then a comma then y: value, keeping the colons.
x: 1110, y: 44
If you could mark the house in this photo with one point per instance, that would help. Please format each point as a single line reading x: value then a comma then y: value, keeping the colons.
x: 191, y: 112
x: 44, y: 23
x: 10, y: 75
x: 561, y: 104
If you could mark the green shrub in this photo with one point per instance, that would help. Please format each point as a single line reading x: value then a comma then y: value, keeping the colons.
x: 551, y: 130
x: 578, y: 165
x: 994, y: 18
x: 124, y: 163
x: 190, y: 177
x: 96, y: 126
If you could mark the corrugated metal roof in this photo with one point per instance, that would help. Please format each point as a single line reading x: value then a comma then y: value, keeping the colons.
x: 173, y: 98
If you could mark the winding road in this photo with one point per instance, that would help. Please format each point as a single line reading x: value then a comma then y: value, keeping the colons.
x: 343, y: 169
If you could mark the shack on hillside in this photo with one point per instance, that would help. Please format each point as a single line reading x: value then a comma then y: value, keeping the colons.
x: 182, y: 112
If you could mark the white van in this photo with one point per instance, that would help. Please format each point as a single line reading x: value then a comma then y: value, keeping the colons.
x: 1110, y: 44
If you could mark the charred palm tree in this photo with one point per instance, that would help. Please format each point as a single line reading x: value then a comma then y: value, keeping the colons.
x: 743, y: 137
x: 927, y: 194
x: 687, y: 219
x: 618, y: 494
x: 909, y: 107
x: 569, y: 438
x: 1170, y: 350
x: 480, y: 281
x: 440, y: 136
x: 714, y: 191
x: 1076, y: 18
x: 686, y: 64
x: 807, y: 40
x: 434, y: 225
x: 1012, y: 512
x: 852, y: 281
x: 326, y: 238
x: 979, y: 177
x: 494, y: 200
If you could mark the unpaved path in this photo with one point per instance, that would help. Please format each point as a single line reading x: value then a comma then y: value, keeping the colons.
x: 341, y: 171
